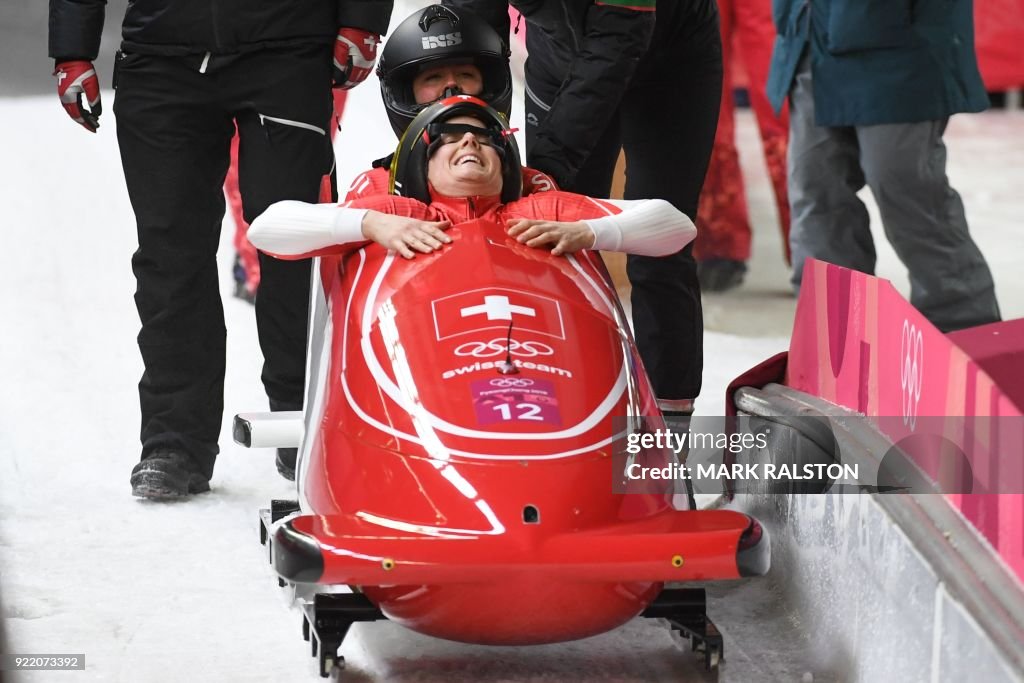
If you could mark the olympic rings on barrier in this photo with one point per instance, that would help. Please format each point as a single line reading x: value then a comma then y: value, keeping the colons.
x: 911, y: 371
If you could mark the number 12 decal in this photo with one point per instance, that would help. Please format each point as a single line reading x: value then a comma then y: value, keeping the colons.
x: 527, y: 411
x: 517, y: 400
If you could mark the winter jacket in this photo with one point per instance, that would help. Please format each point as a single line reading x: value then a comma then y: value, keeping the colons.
x: 879, y: 61
x: 592, y: 50
x: 188, y: 27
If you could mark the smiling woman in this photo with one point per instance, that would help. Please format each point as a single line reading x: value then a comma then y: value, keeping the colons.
x: 465, y: 161
x: 458, y: 162
x: 411, y: 173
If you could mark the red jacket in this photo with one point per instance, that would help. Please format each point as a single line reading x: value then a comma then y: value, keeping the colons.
x: 375, y: 181
x: 552, y: 205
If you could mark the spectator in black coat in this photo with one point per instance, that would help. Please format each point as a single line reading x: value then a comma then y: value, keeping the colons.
x: 188, y: 71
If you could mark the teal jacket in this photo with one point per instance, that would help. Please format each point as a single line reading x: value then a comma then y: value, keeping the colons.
x: 879, y: 61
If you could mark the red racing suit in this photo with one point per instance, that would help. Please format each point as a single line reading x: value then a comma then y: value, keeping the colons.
x: 552, y: 205
x: 375, y: 181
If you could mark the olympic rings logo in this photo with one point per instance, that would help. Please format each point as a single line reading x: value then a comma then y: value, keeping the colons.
x: 911, y: 371
x: 498, y: 347
x: 511, y: 382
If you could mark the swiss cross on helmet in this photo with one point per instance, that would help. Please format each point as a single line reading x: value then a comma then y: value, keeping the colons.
x: 441, y: 35
x: 408, y: 177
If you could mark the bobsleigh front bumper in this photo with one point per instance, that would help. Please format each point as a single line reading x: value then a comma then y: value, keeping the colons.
x: 672, y: 546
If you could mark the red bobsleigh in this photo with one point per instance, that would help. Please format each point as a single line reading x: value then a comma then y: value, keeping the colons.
x: 467, y: 499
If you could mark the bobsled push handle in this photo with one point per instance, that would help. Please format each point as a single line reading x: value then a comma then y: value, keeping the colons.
x: 283, y: 429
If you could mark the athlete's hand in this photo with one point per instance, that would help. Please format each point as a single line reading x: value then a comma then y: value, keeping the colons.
x: 355, y: 51
x: 566, y: 237
x: 405, y: 235
x: 74, y: 79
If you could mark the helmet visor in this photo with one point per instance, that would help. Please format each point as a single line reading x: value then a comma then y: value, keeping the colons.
x: 400, y: 99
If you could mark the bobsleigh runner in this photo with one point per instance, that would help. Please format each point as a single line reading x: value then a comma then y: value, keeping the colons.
x: 455, y: 460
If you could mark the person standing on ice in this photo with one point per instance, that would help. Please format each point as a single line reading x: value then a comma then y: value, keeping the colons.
x: 871, y: 86
x: 437, y: 52
x: 461, y: 163
x: 603, y: 77
x: 722, y: 248
x: 189, y: 70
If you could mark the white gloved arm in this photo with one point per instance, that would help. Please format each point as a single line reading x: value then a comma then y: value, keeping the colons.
x: 646, y: 227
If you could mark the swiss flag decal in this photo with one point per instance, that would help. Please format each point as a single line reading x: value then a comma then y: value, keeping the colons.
x: 494, y: 308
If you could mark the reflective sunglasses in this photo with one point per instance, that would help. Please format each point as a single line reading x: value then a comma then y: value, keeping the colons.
x: 448, y: 133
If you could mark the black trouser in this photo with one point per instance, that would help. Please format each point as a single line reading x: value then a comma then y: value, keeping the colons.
x: 666, y: 125
x: 174, y: 128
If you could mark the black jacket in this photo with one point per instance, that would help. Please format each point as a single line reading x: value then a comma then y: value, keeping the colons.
x: 185, y: 27
x: 589, y: 53
x: 585, y: 55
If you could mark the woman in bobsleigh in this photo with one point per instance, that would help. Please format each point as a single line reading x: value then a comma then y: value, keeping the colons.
x: 470, y: 383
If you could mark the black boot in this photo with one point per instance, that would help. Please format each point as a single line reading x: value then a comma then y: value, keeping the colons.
x: 167, y: 474
x: 286, y: 462
x: 286, y: 456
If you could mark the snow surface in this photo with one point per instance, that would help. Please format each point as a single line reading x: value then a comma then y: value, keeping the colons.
x: 167, y: 592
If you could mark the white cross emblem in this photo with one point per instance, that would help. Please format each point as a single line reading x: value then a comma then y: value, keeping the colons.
x: 371, y: 41
x: 61, y: 75
x: 497, y: 308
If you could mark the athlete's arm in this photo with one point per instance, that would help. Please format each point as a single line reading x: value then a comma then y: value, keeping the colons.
x: 648, y: 227
x: 295, y: 230
x: 567, y: 222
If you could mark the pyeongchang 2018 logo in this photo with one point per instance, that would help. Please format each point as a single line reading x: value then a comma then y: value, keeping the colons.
x: 911, y: 372
x: 443, y: 40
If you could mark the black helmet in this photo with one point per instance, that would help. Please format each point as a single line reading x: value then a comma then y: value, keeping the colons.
x: 440, y: 34
x: 408, y: 177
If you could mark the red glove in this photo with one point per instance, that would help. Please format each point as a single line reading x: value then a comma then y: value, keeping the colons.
x: 355, y: 51
x: 73, y: 79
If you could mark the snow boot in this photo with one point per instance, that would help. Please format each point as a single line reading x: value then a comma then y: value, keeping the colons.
x: 286, y: 462
x: 286, y: 456
x: 167, y: 474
